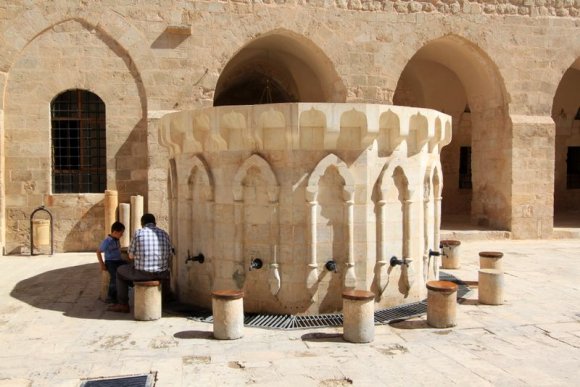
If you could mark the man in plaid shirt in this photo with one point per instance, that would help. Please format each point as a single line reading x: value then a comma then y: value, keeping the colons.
x: 150, y: 251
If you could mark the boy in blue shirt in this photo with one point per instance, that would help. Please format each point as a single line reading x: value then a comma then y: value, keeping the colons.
x: 111, y: 248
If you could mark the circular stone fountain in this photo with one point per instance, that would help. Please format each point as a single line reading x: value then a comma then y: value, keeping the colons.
x: 294, y: 203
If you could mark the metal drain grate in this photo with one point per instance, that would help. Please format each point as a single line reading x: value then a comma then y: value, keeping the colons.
x: 121, y: 381
x: 383, y: 316
x: 288, y: 322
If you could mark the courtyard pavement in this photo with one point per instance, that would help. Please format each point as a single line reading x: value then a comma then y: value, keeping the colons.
x: 55, y: 332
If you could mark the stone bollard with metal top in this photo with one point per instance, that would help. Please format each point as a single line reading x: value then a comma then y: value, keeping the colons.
x: 490, y: 260
x: 441, y: 304
x: 228, y: 314
x: 358, y: 309
x: 490, y: 287
x: 450, y: 254
x: 147, y: 300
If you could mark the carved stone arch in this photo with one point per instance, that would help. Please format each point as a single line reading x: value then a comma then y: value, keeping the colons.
x: 320, y: 169
x: 264, y: 167
x: 200, y: 168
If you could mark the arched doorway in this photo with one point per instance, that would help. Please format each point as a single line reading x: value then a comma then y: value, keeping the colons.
x: 566, y: 116
x: 454, y: 76
x: 279, y: 67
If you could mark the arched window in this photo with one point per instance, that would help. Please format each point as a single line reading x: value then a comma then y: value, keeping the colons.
x: 78, y: 143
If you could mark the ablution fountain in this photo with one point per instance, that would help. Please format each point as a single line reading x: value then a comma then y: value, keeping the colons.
x: 294, y: 203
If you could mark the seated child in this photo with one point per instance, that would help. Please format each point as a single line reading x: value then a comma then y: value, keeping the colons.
x: 111, y: 247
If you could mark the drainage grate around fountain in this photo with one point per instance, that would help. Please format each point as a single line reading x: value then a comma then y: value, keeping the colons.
x: 146, y: 380
x: 288, y: 322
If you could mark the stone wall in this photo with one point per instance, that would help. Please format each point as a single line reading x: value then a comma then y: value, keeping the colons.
x: 141, y: 57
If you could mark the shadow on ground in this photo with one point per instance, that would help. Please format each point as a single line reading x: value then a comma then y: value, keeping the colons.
x: 318, y: 336
x: 74, y: 291
x: 194, y: 335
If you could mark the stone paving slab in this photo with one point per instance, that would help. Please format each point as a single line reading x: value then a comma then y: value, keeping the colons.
x: 55, y: 332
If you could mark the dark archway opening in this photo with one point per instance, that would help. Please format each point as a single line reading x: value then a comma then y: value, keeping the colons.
x: 566, y: 116
x: 254, y: 89
x: 279, y: 67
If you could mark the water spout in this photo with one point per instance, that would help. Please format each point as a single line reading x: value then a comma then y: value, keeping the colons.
x: 256, y: 263
x: 198, y: 258
x: 331, y: 266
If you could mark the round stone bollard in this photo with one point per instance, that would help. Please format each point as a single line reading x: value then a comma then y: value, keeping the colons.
x: 441, y: 304
x: 358, y: 309
x: 450, y: 254
x: 147, y: 300
x: 490, y: 287
x: 228, y: 314
x: 490, y: 260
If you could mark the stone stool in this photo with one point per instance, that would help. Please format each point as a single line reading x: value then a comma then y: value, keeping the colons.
x: 358, y: 309
x: 147, y: 300
x: 490, y: 287
x: 441, y: 304
x: 450, y: 254
x: 228, y: 314
x: 490, y: 260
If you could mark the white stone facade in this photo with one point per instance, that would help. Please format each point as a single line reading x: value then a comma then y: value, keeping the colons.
x: 506, y: 72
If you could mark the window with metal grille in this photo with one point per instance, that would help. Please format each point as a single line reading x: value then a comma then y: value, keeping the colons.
x: 78, y: 143
x: 573, y: 168
x: 465, y: 167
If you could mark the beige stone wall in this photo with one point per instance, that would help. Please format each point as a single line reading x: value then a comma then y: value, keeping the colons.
x: 141, y: 57
x: 69, y: 56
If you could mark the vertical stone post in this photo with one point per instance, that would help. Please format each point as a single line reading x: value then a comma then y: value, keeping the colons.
x: 441, y: 304
x: 125, y: 218
x: 451, y: 254
x: 147, y: 300
x: 111, y: 203
x: 350, y: 276
x: 490, y: 287
x: 490, y: 260
x: 228, y: 314
x: 312, y: 276
x: 136, y: 213
x: 358, y: 309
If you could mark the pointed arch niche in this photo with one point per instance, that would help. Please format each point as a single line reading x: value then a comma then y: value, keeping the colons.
x: 330, y: 201
x: 256, y: 214
x: 392, y: 211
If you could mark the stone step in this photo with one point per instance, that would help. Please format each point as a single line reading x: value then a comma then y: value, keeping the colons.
x: 474, y: 235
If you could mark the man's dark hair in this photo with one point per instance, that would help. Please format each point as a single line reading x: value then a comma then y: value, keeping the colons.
x: 117, y: 226
x: 147, y: 218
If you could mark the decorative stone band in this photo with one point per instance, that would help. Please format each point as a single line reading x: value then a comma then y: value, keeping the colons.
x: 304, y: 126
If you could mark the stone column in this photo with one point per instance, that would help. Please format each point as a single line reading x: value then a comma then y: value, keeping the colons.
x: 312, y: 276
x: 125, y: 218
x: 532, y: 182
x: 350, y: 276
x: 136, y: 213
x: 111, y: 203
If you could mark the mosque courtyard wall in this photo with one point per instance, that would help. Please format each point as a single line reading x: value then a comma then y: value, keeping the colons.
x: 506, y: 72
